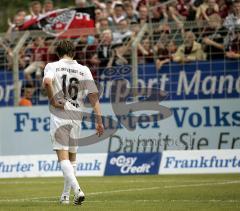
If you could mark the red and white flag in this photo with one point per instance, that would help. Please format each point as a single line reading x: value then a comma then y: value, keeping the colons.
x: 65, y: 23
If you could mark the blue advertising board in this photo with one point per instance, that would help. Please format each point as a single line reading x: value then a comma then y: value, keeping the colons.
x: 6, y: 87
x: 132, y: 163
x: 218, y: 79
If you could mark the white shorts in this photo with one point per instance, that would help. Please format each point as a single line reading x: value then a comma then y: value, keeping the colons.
x: 61, y: 137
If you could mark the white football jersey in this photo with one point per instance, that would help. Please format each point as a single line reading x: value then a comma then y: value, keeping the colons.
x: 72, y: 80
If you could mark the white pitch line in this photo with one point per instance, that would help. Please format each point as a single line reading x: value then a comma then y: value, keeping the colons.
x: 28, y: 199
x: 111, y: 181
x: 129, y: 190
x: 173, y: 186
x: 203, y: 184
x: 123, y: 190
x: 162, y: 200
x: 94, y: 181
x: 89, y: 194
x: 137, y: 201
x: 25, y: 182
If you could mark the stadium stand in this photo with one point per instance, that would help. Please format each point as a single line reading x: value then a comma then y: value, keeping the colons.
x: 179, y: 34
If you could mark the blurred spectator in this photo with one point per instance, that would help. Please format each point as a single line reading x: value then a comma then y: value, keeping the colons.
x: 21, y: 16
x: 93, y: 63
x: 159, y: 14
x: 143, y: 15
x: 135, y: 4
x: 231, y: 22
x: 35, y: 10
x: 38, y: 52
x: 21, y: 13
x: 165, y: 55
x: 122, y: 33
x: 210, y: 9
x: 86, y: 46
x: 48, y: 6
x: 51, y: 55
x: 98, y: 15
x: 179, y: 10
x: 9, y: 50
x: 131, y: 15
x: 104, y: 49
x: 145, y: 51
x: 80, y: 46
x: 201, y: 6
x: 122, y: 52
x: 139, y: 4
x: 26, y: 99
x: 213, y: 38
x: 17, y: 22
x: 233, y: 49
x: 81, y: 3
x: 118, y: 13
x: 190, y: 50
x: 22, y: 60
x: 125, y: 2
x: 165, y: 50
x: 153, y: 3
x: 233, y: 19
x: 98, y: 4
x: 109, y: 9
x: 162, y: 29
x: 103, y: 25
x: 224, y: 8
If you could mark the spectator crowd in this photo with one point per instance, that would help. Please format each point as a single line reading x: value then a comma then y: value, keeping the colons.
x: 179, y: 31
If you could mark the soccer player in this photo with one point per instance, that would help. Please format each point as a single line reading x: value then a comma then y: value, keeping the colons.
x: 66, y: 77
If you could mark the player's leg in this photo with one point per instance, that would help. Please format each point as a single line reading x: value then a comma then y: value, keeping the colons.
x: 68, y: 173
x: 62, y: 149
x: 67, y: 185
x: 63, y: 155
x: 67, y: 169
x: 73, y: 160
x: 78, y: 198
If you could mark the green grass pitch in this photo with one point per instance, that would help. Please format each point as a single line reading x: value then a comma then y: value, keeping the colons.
x: 180, y: 192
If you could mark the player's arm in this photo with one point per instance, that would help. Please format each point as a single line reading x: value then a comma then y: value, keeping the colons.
x: 90, y: 86
x: 47, y: 83
x: 93, y: 98
x: 48, y: 79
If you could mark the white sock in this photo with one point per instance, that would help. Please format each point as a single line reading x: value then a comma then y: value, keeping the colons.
x: 68, y: 173
x: 66, y: 188
x: 67, y: 184
x: 74, y: 165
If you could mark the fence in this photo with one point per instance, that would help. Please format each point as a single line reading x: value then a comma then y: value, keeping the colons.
x: 144, y: 55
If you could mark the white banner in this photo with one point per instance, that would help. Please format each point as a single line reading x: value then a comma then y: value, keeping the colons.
x: 200, y: 161
x: 193, y: 125
x: 47, y: 165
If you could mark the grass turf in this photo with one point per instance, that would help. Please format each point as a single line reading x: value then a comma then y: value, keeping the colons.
x: 181, y: 192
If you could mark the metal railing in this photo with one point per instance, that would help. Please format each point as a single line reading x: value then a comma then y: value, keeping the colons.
x: 16, y: 51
